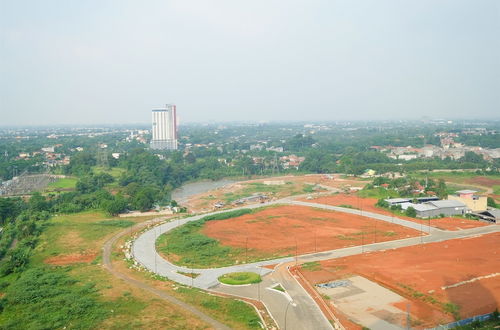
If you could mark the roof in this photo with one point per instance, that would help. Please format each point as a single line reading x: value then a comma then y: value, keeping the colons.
x: 446, y: 203
x: 418, y: 207
x: 466, y: 191
x: 423, y: 207
x: 428, y: 198
x: 495, y: 213
x: 397, y: 200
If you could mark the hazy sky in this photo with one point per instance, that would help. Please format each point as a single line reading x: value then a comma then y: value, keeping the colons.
x: 86, y: 62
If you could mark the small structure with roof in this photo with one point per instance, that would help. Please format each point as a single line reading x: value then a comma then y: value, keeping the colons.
x: 397, y: 201
x: 474, y: 202
x: 490, y: 215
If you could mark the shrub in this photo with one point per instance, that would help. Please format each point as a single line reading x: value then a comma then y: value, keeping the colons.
x: 411, y: 212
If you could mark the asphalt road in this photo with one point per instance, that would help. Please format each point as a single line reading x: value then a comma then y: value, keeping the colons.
x: 107, y: 249
x: 300, y: 310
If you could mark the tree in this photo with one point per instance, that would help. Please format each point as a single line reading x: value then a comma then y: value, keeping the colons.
x: 411, y: 212
x: 491, y: 202
x: 116, y: 206
x: 441, y: 189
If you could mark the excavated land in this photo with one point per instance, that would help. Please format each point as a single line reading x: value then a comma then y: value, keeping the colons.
x: 368, y: 204
x: 484, y: 181
x: 436, y: 277
x: 292, y: 229
x: 285, y: 186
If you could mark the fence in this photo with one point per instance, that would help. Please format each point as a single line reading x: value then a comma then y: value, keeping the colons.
x: 463, y: 322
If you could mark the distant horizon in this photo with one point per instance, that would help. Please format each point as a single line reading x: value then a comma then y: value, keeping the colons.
x: 94, y: 62
x: 233, y: 122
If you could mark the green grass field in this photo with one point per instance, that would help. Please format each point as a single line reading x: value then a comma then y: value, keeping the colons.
x: 188, y: 246
x: 496, y: 190
x: 240, y: 278
x: 63, y: 183
x: 115, y: 172
x: 81, y: 294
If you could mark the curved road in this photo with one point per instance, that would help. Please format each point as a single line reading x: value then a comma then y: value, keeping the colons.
x: 295, y: 309
x: 107, y: 249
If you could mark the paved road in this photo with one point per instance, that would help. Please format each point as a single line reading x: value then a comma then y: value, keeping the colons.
x: 107, y: 249
x: 302, y: 313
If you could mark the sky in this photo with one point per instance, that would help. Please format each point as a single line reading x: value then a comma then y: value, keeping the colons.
x: 111, y: 62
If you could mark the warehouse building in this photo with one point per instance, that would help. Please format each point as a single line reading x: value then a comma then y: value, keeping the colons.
x: 431, y: 209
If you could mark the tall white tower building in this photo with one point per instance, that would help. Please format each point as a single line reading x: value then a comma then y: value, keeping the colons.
x: 164, y: 128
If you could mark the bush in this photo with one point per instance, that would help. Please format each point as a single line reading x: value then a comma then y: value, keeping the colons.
x: 227, y: 215
x: 382, y: 203
x: 47, y: 299
x: 240, y: 278
x: 411, y: 212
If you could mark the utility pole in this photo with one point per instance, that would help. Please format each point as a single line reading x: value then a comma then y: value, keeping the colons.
x: 296, y: 251
x: 408, y: 318
x: 246, y: 250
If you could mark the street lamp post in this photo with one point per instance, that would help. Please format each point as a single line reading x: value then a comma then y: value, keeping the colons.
x: 315, y: 241
x: 296, y: 252
x: 258, y: 284
x: 421, y: 231
x: 362, y: 241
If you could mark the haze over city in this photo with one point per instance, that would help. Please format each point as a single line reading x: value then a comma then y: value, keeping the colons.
x: 111, y: 62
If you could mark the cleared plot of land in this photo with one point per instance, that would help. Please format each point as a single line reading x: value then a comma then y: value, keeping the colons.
x: 291, y: 229
x: 368, y: 204
x: 274, y: 187
x: 367, y: 303
x: 446, y: 280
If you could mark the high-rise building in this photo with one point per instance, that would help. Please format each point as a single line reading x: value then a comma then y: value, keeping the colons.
x: 164, y: 128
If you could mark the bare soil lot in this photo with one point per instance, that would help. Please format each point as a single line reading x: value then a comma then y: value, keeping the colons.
x: 297, y: 229
x: 458, y: 277
x: 368, y: 204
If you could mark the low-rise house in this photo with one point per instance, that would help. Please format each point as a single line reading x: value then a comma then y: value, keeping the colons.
x: 431, y: 208
x: 474, y: 202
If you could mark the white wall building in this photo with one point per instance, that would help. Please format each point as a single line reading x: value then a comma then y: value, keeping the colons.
x: 164, y: 132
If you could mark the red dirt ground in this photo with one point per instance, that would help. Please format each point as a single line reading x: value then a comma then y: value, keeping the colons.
x: 427, y: 269
x: 70, y: 259
x: 280, y: 229
x: 368, y: 204
x: 484, y: 181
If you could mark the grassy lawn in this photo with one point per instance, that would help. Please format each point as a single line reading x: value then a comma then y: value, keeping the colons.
x: 63, y: 183
x: 187, y: 246
x: 311, y: 266
x: 115, y: 172
x: 81, y: 233
x: 117, y: 305
x: 278, y: 288
x: 240, y: 278
x: 378, y: 193
x: 496, y: 190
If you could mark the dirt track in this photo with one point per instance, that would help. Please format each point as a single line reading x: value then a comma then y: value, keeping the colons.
x: 107, y: 249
